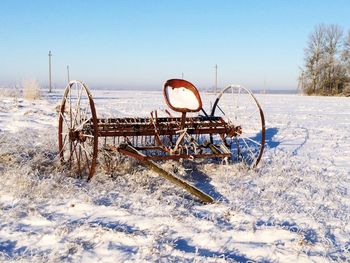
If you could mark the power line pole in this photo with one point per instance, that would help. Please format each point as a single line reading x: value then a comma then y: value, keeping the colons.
x: 68, y: 73
x: 216, y: 78
x: 182, y: 75
x: 50, y: 86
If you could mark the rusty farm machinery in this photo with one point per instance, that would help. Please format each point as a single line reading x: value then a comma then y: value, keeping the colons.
x: 233, y: 129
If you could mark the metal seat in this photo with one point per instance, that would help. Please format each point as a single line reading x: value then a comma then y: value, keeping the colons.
x: 182, y: 96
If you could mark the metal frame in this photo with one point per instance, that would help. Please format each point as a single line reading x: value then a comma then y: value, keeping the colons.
x: 149, y: 139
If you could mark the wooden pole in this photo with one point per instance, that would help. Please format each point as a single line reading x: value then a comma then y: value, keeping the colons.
x: 216, y: 78
x: 50, y: 85
x: 68, y: 73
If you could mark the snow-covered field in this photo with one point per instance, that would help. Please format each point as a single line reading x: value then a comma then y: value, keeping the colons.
x: 295, y: 207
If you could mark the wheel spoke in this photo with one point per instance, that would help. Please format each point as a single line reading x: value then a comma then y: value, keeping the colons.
x: 64, y: 119
x: 82, y: 125
x: 77, y: 108
x: 88, y: 135
x: 64, y: 144
x: 81, y: 145
x: 86, y: 153
x: 235, y: 105
x: 248, y: 117
x: 85, y: 114
x: 78, y: 162
x: 70, y: 107
x: 72, y: 149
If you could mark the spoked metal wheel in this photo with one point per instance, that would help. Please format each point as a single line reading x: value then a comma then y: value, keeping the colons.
x: 241, y: 110
x: 77, y: 130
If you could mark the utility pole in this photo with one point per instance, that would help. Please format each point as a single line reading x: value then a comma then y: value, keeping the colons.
x: 216, y: 78
x: 50, y: 86
x: 300, y: 88
x: 68, y: 73
x: 182, y: 75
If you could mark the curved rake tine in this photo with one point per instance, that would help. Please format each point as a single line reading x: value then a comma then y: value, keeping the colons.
x: 249, y: 149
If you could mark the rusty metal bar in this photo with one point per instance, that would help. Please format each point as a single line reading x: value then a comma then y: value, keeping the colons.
x: 151, y: 132
x: 132, y: 152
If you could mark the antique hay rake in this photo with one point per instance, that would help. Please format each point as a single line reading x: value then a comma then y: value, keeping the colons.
x: 233, y: 130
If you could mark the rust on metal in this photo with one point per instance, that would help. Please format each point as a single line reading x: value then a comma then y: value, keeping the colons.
x: 156, y: 138
x: 131, y: 151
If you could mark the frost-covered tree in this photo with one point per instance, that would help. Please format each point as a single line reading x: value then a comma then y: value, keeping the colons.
x: 324, y: 69
x: 314, y: 54
x: 346, y: 61
x: 333, y: 69
x: 346, y: 52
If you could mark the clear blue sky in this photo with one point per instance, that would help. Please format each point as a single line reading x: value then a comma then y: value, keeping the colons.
x: 140, y: 44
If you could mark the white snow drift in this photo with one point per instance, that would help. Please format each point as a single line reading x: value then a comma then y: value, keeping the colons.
x: 295, y: 207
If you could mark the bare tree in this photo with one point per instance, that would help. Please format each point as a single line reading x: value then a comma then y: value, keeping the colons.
x: 314, y: 54
x: 332, y: 66
x: 324, y: 71
x: 346, y: 61
x: 346, y: 52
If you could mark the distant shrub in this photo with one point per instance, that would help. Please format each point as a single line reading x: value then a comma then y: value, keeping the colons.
x: 31, y: 90
x: 346, y: 91
x: 12, y: 92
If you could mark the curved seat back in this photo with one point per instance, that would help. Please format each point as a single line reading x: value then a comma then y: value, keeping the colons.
x: 182, y: 96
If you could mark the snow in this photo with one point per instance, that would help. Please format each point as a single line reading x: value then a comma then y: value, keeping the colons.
x: 182, y: 98
x: 295, y: 207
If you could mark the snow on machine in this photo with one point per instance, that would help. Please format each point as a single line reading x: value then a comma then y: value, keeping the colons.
x: 232, y: 130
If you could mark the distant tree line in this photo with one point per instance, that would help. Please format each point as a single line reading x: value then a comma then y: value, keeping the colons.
x: 326, y: 69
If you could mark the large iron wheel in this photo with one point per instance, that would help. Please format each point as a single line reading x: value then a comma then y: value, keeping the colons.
x: 78, y: 130
x: 240, y: 109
